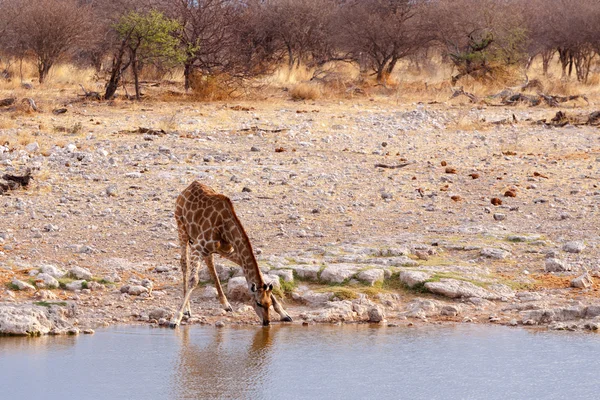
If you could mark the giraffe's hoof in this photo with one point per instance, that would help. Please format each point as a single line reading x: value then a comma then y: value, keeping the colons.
x: 228, y: 309
x: 286, y: 319
x: 173, y: 325
x: 187, y: 314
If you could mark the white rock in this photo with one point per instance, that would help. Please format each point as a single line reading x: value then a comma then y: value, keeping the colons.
x: 583, y: 282
x: 498, y: 254
x: 208, y: 292
x: 421, y: 308
x: 71, y: 148
x: 413, y: 278
x: 455, y: 288
x: 338, y: 273
x: 136, y: 290
x: 24, y: 320
x: 32, y: 147
x: 371, y: 276
x: 75, y: 285
x: 286, y: 274
x: 44, y: 280
x: 575, y: 246
x: 556, y: 265
x: 237, y: 289
x: 22, y: 285
x: 309, y: 272
x: 80, y: 273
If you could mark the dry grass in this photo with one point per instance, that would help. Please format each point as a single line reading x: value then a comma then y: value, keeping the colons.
x: 305, y: 91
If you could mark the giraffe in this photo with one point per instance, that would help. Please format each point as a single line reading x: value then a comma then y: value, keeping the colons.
x: 208, y: 225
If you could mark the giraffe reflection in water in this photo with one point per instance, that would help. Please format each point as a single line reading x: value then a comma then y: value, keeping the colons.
x: 224, y: 364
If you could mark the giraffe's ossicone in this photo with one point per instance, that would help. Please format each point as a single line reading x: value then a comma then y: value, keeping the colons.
x: 208, y: 225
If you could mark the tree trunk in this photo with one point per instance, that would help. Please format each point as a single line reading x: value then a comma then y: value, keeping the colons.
x: 187, y: 72
x: 116, y: 72
x: 43, y: 69
x: 136, y: 80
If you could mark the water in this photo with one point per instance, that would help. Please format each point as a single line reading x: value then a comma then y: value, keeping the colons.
x: 295, y: 362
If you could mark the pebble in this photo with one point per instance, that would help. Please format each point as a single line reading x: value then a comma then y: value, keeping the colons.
x: 575, y: 246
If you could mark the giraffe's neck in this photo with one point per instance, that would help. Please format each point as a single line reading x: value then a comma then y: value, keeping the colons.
x: 249, y: 264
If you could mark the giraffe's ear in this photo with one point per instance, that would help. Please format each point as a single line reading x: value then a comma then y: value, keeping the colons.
x: 253, y: 288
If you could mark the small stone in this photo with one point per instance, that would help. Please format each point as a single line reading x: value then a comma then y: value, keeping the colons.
x: 583, y: 282
x: 575, y: 246
x: 376, y: 314
x: 219, y: 324
x: 20, y: 285
x: 498, y: 254
x: 136, y: 290
x: 80, y: 273
x: 46, y: 281
x: 32, y: 147
x: 496, y: 201
x: 413, y: 278
x: 386, y: 196
x: 52, y: 271
x: 88, y: 331
x: 450, y: 310
x: 111, y: 191
x: 499, y: 217
x: 75, y: 285
x: 556, y: 265
x: 159, y: 313
x: 254, y: 148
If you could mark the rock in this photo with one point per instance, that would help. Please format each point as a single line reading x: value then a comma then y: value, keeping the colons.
x: 454, y: 288
x: 147, y: 283
x: 112, y: 191
x: 450, y: 310
x: 137, y: 290
x: 413, y: 278
x: 371, y: 276
x: 80, y: 273
x: 44, y: 280
x: 219, y: 324
x: 338, y: 273
x: 25, y: 320
x: 286, y: 274
x: 32, y: 147
x: 272, y: 279
x: 208, y: 292
x: 421, y: 308
x: 309, y: 272
x: 159, y: 313
x: 497, y: 254
x: 162, y: 268
x: 376, y: 314
x: 20, y: 285
x: 575, y: 246
x: 583, y: 282
x: 556, y: 265
x: 237, y: 289
x: 545, y: 316
x: 312, y: 298
x: 499, y: 217
x: 76, y: 285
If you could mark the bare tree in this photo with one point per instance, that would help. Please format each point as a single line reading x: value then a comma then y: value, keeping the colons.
x: 49, y: 29
x: 378, y: 33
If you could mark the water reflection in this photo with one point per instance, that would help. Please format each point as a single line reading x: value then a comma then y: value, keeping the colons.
x: 224, y: 364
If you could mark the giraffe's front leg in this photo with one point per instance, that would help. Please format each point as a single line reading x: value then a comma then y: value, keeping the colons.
x: 192, y: 283
x: 213, y: 273
x: 285, y: 317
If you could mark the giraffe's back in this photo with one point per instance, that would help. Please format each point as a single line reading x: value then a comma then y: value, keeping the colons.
x: 200, y: 209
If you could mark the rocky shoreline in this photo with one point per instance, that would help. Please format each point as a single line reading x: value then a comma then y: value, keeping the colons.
x: 365, y: 212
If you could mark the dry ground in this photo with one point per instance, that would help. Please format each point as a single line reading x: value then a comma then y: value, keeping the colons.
x: 311, y: 182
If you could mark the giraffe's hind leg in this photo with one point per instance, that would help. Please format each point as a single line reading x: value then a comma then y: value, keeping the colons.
x: 184, y: 239
x: 213, y: 273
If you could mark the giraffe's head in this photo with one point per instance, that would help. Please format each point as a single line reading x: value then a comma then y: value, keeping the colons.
x: 261, y: 300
